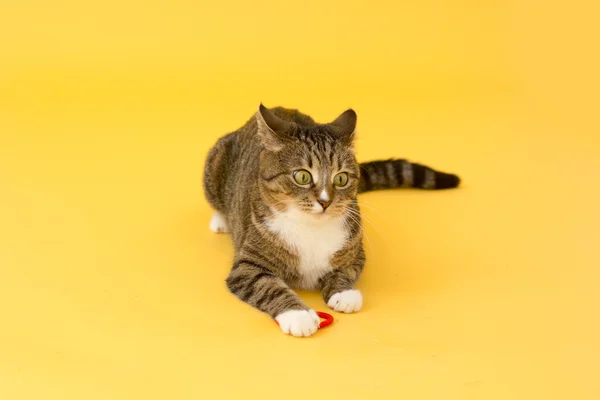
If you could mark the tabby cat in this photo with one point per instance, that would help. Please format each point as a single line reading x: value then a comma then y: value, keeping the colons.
x: 285, y: 187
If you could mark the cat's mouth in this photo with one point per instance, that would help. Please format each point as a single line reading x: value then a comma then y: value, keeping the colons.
x: 319, y: 209
x: 320, y: 213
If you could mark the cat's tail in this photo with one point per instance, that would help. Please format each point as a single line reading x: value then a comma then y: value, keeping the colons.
x: 393, y: 173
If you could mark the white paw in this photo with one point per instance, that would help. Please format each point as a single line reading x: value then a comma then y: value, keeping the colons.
x: 218, y: 223
x: 347, y: 301
x: 298, y: 322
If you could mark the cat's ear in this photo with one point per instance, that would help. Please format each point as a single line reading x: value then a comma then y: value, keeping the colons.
x: 271, y: 129
x: 345, y: 124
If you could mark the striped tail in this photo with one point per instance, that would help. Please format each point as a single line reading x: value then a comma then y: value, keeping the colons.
x: 391, y: 174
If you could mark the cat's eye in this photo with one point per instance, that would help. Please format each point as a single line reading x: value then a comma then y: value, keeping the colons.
x: 302, y: 177
x: 341, y: 179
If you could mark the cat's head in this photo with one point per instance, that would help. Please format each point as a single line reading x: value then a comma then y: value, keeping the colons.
x: 308, y: 168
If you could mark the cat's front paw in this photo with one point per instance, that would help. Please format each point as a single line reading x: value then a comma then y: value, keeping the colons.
x: 348, y: 301
x: 298, y: 322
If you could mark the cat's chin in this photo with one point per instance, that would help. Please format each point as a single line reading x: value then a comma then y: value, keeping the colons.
x: 321, y: 216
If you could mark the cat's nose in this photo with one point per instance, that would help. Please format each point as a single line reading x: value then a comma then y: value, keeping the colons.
x: 324, y: 204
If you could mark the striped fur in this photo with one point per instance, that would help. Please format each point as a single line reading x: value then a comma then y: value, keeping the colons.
x: 286, y: 235
x: 392, y: 174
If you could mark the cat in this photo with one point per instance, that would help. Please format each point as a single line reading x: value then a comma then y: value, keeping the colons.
x: 285, y: 187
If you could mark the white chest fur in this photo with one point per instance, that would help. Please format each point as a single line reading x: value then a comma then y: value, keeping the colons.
x: 314, y: 240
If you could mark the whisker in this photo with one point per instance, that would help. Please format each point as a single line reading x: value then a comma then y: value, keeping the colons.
x: 362, y: 203
x: 357, y: 221
x: 367, y: 219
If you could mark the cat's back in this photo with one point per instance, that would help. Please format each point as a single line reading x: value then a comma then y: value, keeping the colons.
x: 232, y: 159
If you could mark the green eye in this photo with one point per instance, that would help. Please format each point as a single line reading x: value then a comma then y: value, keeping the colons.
x: 302, y: 177
x: 340, y: 179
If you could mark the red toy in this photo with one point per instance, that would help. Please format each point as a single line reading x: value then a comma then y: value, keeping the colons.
x: 328, y: 319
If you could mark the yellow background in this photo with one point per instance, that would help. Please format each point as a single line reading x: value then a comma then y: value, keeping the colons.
x: 112, y: 286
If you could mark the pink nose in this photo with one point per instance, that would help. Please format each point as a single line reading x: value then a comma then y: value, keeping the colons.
x: 324, y: 204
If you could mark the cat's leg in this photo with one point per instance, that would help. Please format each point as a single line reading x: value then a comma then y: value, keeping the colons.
x: 262, y: 289
x: 337, y: 289
x: 218, y: 223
